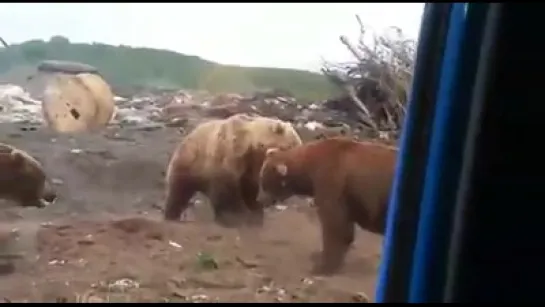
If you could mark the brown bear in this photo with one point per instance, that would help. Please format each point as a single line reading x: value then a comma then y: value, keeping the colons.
x: 349, y: 180
x: 222, y: 158
x: 23, y: 179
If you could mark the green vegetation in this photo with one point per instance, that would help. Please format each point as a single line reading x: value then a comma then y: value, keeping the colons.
x: 127, y: 66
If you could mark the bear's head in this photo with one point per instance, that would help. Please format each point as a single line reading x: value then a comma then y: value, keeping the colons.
x: 275, y: 184
x: 267, y: 133
x: 22, y: 179
x: 273, y: 133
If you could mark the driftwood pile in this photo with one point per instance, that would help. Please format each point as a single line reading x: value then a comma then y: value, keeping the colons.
x: 376, y: 84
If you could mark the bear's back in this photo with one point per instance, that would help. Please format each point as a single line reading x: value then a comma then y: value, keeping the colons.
x: 217, y: 145
x: 366, y: 169
x: 198, y: 148
x: 367, y: 166
x: 16, y: 178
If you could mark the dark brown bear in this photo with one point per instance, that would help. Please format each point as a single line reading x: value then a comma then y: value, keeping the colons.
x: 349, y: 180
x: 22, y: 179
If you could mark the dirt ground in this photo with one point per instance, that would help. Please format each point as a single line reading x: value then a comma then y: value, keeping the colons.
x: 103, y: 239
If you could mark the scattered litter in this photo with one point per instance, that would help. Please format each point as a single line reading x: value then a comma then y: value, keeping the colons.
x: 56, y: 262
x: 185, y: 109
x: 360, y: 297
x: 246, y: 263
x: 57, y: 181
x: 174, y: 244
x: 313, y: 125
x: 307, y: 281
x: 122, y: 285
x: 280, y: 207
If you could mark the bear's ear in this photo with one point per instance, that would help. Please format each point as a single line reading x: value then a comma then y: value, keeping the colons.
x: 271, y: 151
x: 5, y: 149
x: 17, y: 158
x: 282, y: 169
x: 279, y: 128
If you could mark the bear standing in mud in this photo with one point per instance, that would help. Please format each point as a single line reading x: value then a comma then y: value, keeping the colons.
x: 22, y: 179
x: 349, y: 180
x: 222, y: 159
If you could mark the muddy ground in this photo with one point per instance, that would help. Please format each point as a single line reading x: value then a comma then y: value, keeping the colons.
x: 103, y: 241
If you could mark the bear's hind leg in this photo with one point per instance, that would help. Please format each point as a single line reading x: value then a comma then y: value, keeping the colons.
x: 256, y: 214
x: 337, y: 236
x: 227, y: 203
x: 179, y: 192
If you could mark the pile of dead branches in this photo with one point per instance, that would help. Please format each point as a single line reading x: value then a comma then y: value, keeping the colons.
x: 376, y: 84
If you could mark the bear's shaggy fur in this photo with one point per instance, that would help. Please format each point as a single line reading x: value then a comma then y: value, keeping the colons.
x: 349, y: 180
x: 22, y: 178
x: 222, y: 158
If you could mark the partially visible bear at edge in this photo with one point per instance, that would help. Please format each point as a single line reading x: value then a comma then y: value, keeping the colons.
x: 23, y: 179
x: 222, y: 159
x: 349, y: 180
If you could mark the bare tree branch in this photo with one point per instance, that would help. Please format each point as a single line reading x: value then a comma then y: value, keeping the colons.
x: 4, y: 42
x: 376, y: 84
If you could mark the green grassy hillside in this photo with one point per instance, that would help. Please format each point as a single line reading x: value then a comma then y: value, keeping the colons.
x: 126, y: 66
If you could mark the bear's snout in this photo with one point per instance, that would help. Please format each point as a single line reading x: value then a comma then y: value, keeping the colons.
x: 49, y: 194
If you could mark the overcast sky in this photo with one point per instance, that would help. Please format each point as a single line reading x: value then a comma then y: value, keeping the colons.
x: 289, y: 35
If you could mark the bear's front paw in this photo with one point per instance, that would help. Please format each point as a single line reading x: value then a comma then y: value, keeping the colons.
x: 323, y: 266
x: 323, y: 269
